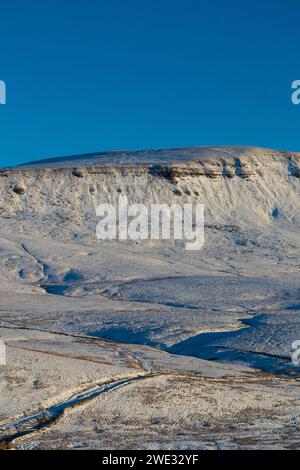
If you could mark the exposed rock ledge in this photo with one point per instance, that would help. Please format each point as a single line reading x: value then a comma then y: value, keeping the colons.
x: 171, y: 164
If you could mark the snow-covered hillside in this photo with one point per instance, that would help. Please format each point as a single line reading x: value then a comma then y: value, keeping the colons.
x: 234, y: 301
x: 241, y: 187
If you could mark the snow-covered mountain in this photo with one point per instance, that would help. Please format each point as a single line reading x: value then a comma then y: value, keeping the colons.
x: 235, y: 301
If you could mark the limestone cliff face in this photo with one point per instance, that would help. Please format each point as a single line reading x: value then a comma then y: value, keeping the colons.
x: 238, y: 185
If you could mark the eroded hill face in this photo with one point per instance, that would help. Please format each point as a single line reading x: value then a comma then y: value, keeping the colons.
x: 251, y: 199
x: 240, y: 187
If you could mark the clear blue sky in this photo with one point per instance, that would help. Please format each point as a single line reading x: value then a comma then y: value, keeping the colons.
x: 94, y: 75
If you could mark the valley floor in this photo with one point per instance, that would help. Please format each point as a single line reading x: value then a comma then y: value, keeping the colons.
x: 177, y: 360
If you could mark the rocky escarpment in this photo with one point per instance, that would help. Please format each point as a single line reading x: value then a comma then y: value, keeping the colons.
x: 212, y: 162
x: 237, y: 185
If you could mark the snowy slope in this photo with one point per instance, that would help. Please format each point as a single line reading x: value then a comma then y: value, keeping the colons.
x: 156, y: 292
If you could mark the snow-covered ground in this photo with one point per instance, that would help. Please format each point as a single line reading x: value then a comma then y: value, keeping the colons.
x: 77, y: 312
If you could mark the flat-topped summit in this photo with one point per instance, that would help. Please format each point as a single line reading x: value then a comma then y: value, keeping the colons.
x: 157, y: 156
